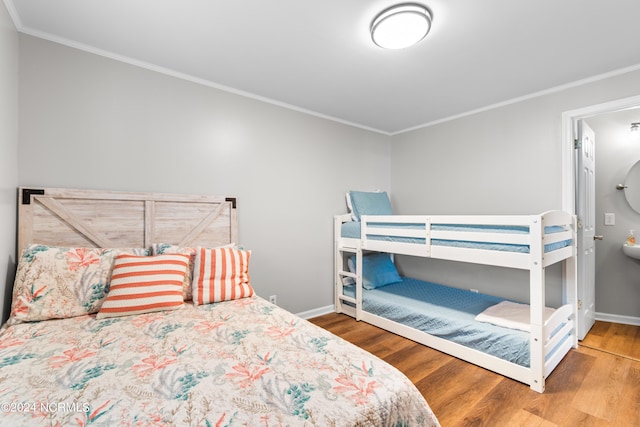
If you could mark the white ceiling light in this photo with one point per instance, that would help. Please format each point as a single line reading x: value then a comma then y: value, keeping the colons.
x: 401, y: 26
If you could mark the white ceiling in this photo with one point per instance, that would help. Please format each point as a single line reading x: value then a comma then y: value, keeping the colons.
x: 318, y: 56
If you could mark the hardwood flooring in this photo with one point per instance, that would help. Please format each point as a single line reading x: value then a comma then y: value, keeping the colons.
x: 598, y: 385
x: 614, y: 338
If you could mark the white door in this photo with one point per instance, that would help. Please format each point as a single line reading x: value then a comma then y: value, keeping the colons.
x: 585, y: 210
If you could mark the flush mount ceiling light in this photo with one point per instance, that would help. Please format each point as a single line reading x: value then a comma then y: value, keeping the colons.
x: 635, y: 127
x: 401, y: 26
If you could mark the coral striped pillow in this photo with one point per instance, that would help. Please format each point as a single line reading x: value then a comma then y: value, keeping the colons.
x: 142, y: 284
x: 221, y: 274
x: 162, y: 248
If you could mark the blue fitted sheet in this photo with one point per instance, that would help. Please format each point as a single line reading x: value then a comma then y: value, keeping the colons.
x: 352, y: 229
x: 447, y: 313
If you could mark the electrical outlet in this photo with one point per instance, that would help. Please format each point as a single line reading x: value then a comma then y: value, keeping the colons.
x: 273, y: 300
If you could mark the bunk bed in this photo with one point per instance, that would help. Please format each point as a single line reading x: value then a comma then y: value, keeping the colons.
x: 432, y: 314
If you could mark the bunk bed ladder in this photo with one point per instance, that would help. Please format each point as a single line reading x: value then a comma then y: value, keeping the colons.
x: 342, y: 272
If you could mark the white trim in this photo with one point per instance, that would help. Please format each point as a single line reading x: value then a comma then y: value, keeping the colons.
x: 13, y: 13
x: 315, y: 312
x: 569, y: 119
x: 187, y: 77
x: 549, y: 91
x: 146, y: 65
x: 569, y: 133
x: 618, y: 318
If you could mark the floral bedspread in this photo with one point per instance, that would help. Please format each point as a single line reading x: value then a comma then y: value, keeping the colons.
x: 237, y: 363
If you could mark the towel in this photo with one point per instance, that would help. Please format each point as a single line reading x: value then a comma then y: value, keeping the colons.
x: 511, y: 315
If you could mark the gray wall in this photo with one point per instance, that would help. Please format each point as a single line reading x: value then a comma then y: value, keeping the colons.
x: 505, y: 160
x: 91, y: 122
x: 8, y: 155
x: 617, y: 276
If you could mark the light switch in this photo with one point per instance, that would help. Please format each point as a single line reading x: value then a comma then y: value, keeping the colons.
x: 609, y: 219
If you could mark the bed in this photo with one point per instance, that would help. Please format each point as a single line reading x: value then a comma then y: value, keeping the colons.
x: 460, y: 322
x: 84, y: 347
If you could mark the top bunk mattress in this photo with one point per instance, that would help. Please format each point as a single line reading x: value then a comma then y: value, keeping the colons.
x: 352, y: 230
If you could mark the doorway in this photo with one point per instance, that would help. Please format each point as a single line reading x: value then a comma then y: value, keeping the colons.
x: 571, y: 192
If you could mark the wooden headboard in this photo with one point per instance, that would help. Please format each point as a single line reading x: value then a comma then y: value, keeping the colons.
x: 110, y: 219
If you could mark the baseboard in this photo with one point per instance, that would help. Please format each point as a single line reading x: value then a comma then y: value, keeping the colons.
x: 617, y: 318
x: 309, y: 314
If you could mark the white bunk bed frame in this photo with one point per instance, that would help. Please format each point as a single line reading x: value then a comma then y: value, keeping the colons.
x: 545, y: 353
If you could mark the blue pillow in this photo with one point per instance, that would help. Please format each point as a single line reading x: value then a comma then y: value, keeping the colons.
x: 377, y: 270
x: 370, y: 203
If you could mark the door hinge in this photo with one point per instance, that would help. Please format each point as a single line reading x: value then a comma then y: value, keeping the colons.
x: 579, y: 224
x: 577, y: 144
x: 579, y: 304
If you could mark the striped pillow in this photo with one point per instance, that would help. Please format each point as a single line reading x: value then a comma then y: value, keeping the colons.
x: 163, y: 248
x: 221, y: 274
x: 142, y: 284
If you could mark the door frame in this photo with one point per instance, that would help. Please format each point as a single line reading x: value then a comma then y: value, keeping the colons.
x: 569, y: 134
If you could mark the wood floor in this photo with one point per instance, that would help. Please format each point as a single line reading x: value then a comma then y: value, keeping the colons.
x: 622, y: 340
x: 597, y: 385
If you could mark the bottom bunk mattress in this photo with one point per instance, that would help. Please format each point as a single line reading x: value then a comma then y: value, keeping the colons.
x: 235, y: 363
x: 448, y: 313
